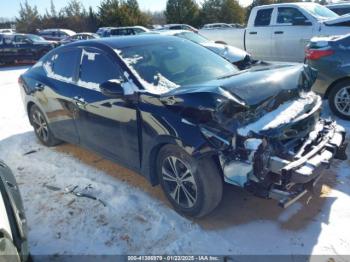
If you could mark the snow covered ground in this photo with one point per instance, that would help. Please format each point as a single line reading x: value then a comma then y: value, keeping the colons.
x: 136, y: 218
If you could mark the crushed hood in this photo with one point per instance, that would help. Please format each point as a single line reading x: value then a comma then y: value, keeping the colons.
x: 247, y: 90
x: 231, y: 53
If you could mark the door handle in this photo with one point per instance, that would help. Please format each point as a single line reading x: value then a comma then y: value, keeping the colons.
x: 39, y: 86
x: 253, y: 33
x: 79, y: 101
x: 278, y: 32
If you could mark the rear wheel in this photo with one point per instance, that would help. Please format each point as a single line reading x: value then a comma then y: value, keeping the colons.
x: 41, y: 127
x: 194, y: 188
x: 339, y: 99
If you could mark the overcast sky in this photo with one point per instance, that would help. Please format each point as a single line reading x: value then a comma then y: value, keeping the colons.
x: 9, y: 8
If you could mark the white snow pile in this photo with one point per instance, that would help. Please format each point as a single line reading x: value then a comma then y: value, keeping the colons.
x: 282, y: 115
x: 138, y: 220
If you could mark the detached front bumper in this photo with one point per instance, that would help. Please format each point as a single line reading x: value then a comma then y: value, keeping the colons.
x: 305, y: 170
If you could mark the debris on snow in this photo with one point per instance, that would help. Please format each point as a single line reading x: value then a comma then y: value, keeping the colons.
x: 30, y: 152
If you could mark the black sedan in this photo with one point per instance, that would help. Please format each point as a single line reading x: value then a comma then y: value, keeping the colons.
x: 184, y: 117
x: 23, y: 47
x: 13, y: 226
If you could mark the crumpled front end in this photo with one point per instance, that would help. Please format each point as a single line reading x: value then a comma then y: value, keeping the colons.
x: 281, y: 154
x: 265, y: 127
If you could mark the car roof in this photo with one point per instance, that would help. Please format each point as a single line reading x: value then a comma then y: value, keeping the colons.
x: 127, y: 27
x: 58, y: 29
x: 170, y: 32
x: 297, y: 4
x: 217, y: 24
x: 170, y: 25
x: 126, y: 41
x: 85, y: 33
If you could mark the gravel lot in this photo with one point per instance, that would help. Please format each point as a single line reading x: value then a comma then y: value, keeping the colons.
x: 136, y: 218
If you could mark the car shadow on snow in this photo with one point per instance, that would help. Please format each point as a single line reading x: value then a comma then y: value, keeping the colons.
x: 237, y: 207
x: 300, y: 224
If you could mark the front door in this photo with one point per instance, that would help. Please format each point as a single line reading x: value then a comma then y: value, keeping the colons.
x: 290, y: 35
x: 107, y: 125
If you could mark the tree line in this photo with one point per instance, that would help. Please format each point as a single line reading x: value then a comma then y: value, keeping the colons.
x: 76, y: 17
x: 127, y: 13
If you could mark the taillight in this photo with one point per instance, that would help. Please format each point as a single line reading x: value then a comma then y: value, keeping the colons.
x: 315, y: 54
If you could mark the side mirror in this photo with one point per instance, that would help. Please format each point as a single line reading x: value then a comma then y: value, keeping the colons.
x: 112, y: 88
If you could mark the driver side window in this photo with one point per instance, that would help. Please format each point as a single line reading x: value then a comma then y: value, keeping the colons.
x: 288, y: 15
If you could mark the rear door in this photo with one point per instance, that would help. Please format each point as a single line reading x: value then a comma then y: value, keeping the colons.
x: 290, y: 35
x: 258, y: 37
x: 106, y: 125
x: 56, y: 93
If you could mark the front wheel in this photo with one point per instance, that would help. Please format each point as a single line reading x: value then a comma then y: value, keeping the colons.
x: 339, y: 99
x: 41, y: 127
x: 194, y: 188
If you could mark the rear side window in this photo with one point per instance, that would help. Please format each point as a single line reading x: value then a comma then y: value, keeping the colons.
x: 263, y: 17
x: 97, y: 68
x: 65, y: 63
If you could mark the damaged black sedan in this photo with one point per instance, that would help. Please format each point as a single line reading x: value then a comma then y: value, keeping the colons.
x: 184, y: 117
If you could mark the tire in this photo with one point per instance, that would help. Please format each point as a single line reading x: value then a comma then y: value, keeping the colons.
x: 199, y: 192
x: 41, y: 127
x: 338, y: 92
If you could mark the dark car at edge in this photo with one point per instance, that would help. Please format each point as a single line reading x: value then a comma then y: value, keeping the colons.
x: 13, y: 224
x: 23, y: 47
x: 184, y: 117
x: 330, y: 57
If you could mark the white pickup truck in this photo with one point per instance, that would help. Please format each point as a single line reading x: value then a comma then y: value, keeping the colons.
x: 280, y: 32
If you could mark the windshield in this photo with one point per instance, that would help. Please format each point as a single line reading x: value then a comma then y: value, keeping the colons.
x: 36, y: 38
x: 170, y: 64
x: 197, y: 38
x: 320, y: 11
